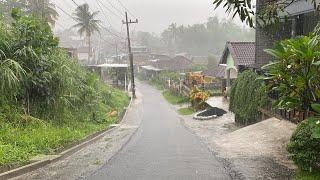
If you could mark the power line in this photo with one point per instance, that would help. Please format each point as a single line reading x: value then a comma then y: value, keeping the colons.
x: 106, y: 18
x: 65, y: 12
x: 119, y: 11
x: 75, y: 3
x: 109, y: 9
x: 124, y: 7
x: 111, y: 33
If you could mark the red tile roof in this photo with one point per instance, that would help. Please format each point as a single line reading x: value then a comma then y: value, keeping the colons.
x: 243, y: 53
x: 216, y: 71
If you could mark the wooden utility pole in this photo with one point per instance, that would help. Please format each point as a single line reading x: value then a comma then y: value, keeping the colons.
x: 133, y: 88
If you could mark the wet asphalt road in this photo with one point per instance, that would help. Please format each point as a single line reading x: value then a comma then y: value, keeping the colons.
x: 161, y: 149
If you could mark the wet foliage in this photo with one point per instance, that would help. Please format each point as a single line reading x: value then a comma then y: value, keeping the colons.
x: 47, y: 100
x: 247, y: 95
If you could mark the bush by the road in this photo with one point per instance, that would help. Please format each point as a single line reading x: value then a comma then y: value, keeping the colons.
x: 247, y: 94
x: 304, y: 148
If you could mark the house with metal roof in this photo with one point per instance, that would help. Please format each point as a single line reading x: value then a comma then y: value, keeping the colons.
x: 177, y: 64
x: 148, y: 72
x: 116, y: 75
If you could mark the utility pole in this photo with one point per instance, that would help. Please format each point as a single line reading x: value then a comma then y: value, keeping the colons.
x: 133, y: 88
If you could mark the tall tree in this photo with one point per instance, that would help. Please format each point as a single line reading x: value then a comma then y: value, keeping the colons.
x: 86, y: 23
x: 43, y: 9
x: 205, y: 38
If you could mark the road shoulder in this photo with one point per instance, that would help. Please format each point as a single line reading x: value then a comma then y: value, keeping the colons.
x: 90, y: 158
x: 252, y: 152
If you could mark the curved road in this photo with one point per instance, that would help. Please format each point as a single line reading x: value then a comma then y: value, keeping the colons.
x: 161, y: 149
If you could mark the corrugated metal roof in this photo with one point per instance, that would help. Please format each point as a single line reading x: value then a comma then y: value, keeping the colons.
x: 151, y: 68
x: 300, y: 7
x: 110, y: 65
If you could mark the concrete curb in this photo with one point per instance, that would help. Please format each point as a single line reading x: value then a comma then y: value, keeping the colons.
x: 75, y: 148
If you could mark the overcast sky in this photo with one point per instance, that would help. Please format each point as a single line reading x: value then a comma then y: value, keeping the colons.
x: 153, y: 15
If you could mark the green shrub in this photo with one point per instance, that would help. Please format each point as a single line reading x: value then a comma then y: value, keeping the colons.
x: 304, y: 149
x: 47, y: 100
x: 304, y: 145
x: 247, y: 94
x: 307, y: 175
x: 295, y: 72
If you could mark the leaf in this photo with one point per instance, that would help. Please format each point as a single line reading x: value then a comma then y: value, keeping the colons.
x: 269, y: 65
x: 316, y: 63
x: 273, y: 52
x: 264, y: 78
x: 316, y: 107
x: 313, y: 42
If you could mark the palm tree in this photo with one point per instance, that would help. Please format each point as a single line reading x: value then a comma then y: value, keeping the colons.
x: 43, y: 9
x: 86, y: 23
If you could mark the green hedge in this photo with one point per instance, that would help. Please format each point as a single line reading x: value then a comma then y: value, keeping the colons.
x: 247, y: 94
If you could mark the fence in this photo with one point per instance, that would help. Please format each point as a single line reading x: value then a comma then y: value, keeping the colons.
x: 295, y: 116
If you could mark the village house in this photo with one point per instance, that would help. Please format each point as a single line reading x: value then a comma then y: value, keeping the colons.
x: 148, y: 72
x: 216, y: 75
x: 177, y: 64
x: 236, y: 57
x: 83, y: 55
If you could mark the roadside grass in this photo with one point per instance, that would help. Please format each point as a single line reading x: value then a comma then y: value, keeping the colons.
x: 21, y: 142
x: 305, y: 175
x: 174, y: 99
x: 156, y: 85
x: 186, y: 111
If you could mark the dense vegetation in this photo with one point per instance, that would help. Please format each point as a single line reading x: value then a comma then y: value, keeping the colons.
x: 304, y: 147
x: 43, y: 9
x: 247, y: 94
x: 46, y: 99
x: 295, y: 74
x: 295, y: 77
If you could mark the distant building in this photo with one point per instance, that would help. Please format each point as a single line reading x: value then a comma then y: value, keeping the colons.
x: 72, y: 52
x: 116, y: 75
x: 218, y: 72
x: 149, y: 72
x: 83, y: 55
x: 177, y: 64
x: 140, y: 50
x: 236, y: 57
x: 202, y: 60
x: 160, y: 56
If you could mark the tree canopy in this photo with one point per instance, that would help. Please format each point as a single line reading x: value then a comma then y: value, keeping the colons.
x: 43, y: 9
x: 86, y: 23
x: 198, y: 39
x: 269, y: 12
